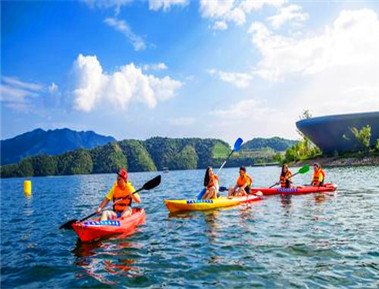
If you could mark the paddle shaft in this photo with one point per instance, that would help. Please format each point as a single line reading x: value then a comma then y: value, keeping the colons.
x: 223, y: 164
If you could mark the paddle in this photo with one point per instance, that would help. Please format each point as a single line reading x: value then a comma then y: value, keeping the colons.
x: 302, y: 170
x: 236, y: 148
x: 147, y: 186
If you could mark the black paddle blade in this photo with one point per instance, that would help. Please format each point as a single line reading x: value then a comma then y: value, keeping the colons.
x: 68, y: 225
x: 152, y: 183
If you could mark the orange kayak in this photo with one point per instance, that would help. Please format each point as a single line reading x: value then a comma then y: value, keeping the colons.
x: 96, y: 229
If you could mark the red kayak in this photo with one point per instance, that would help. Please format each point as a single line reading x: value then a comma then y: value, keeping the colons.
x: 96, y: 229
x: 296, y: 190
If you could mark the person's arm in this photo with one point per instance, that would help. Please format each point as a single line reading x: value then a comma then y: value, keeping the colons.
x: 136, y: 198
x: 102, y: 205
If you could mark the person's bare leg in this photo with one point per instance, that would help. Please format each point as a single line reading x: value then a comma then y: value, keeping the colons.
x: 206, y: 195
x: 212, y: 193
x: 108, y: 215
x: 127, y: 212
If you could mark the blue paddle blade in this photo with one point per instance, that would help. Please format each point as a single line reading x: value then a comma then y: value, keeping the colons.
x: 201, y: 194
x: 237, y: 144
x: 222, y: 189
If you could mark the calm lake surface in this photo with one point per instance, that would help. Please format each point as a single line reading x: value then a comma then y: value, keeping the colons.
x: 309, y: 241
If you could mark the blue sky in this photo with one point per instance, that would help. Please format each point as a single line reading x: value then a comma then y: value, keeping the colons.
x: 177, y: 68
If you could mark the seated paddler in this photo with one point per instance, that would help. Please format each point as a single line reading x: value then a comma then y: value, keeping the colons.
x: 122, y: 195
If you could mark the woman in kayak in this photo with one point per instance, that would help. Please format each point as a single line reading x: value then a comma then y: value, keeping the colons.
x: 318, y: 175
x: 211, y: 183
x: 122, y: 195
x: 243, y: 184
x: 285, y: 177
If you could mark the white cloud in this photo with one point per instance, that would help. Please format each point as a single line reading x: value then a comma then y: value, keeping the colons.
x: 182, y: 121
x: 351, y: 41
x: 117, y: 4
x: 291, y: 13
x: 239, y: 110
x: 123, y: 27
x: 333, y: 71
x: 53, y: 88
x: 240, y: 80
x: 154, y: 5
x: 224, y: 11
x: 155, y: 66
x: 249, y: 6
x: 165, y: 5
x: 14, y: 82
x: 16, y: 94
x: 220, y: 25
x: 94, y: 87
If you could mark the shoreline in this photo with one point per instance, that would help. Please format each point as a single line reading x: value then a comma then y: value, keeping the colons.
x: 341, y: 161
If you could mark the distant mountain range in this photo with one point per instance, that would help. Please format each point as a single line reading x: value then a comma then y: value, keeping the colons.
x: 51, y: 142
x: 67, y: 152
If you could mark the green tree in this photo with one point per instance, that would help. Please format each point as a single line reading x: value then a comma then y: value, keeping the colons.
x: 362, y: 136
x: 306, y: 114
x: 44, y: 165
x: 139, y: 160
x: 186, y: 159
x: 25, y: 168
x: 108, y: 158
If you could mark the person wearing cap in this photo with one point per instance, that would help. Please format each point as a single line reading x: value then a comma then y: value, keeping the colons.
x: 243, y: 184
x: 122, y: 195
x: 318, y: 175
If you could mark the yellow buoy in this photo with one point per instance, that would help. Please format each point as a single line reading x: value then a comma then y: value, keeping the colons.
x: 27, y: 187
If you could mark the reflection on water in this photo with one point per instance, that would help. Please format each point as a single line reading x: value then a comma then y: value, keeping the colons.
x: 308, y: 241
x: 102, y: 259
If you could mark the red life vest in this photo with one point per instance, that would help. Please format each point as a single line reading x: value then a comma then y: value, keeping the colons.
x: 118, y: 194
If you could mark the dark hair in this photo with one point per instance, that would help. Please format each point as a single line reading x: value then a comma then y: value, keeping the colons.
x: 242, y: 168
x: 206, y: 177
x: 283, y: 173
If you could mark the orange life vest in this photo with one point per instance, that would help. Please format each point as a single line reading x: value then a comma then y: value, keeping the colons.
x: 318, y: 177
x: 212, y: 181
x: 119, y: 193
x: 283, y: 179
x: 244, y: 180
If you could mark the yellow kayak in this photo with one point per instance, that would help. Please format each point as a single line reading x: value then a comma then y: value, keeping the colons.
x: 202, y: 205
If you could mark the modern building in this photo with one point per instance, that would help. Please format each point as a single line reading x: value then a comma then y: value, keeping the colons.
x: 333, y: 133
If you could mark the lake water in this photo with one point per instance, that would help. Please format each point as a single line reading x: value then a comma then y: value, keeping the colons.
x: 309, y: 241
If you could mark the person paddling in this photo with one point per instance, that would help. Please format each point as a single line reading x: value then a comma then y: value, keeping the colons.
x: 211, y: 183
x: 318, y: 175
x: 122, y: 195
x: 243, y: 184
x: 285, y: 177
